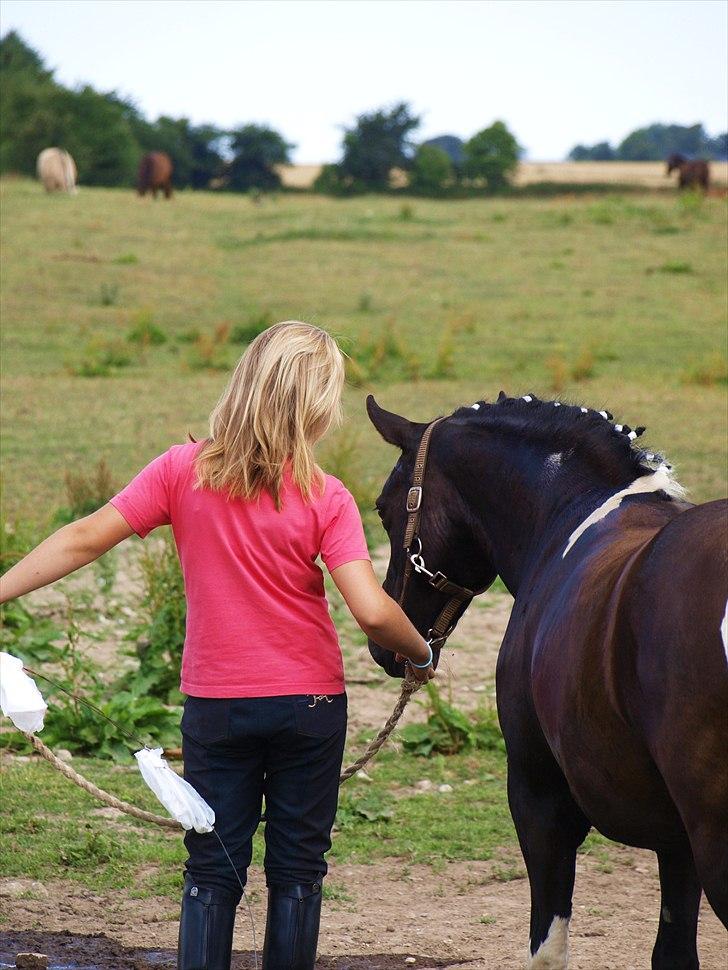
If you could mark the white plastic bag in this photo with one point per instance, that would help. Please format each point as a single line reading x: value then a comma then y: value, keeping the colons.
x: 178, y: 796
x: 20, y: 699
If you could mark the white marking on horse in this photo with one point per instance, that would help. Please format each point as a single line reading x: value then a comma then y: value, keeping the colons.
x: 475, y: 407
x: 584, y: 410
x: 724, y: 631
x: 527, y: 397
x: 659, y: 480
x: 553, y: 954
x: 557, y: 404
x: 604, y: 415
x: 553, y: 463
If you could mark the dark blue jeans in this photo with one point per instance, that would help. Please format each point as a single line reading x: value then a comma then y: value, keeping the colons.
x: 286, y: 750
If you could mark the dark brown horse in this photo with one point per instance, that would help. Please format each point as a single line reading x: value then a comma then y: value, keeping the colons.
x: 612, y: 678
x: 155, y: 172
x: 692, y: 174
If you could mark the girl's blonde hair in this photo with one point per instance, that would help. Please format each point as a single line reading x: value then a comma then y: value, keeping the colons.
x: 283, y: 396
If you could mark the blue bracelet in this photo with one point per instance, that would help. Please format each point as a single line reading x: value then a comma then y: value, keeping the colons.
x: 423, y: 666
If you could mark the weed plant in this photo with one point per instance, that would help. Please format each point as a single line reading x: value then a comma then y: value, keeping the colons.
x: 85, y: 493
x: 449, y: 731
x: 145, y: 331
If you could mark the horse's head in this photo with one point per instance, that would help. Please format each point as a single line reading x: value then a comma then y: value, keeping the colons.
x: 674, y: 161
x: 452, y: 538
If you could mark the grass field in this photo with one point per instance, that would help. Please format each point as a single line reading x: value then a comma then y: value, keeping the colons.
x: 614, y: 301
x: 611, y: 301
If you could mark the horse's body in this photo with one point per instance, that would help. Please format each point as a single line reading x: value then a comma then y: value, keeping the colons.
x: 612, y: 679
x: 57, y: 170
x: 155, y: 172
x: 692, y: 173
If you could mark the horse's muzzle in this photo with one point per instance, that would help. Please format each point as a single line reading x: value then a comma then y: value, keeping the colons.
x: 386, y: 659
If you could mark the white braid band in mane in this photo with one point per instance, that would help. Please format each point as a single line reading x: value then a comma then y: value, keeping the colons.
x: 659, y: 480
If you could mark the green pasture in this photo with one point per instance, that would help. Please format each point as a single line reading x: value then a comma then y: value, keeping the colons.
x: 615, y: 301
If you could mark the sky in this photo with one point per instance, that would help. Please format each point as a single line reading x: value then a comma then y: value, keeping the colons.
x: 557, y: 72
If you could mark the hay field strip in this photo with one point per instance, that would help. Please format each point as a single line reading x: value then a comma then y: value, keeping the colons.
x: 647, y: 175
x: 618, y: 302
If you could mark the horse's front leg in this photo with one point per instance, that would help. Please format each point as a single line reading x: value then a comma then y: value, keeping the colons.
x: 550, y: 828
x: 675, y: 948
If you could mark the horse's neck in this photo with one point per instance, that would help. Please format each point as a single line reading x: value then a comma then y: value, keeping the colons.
x: 530, y: 509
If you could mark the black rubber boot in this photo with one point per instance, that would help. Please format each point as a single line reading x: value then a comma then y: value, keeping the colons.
x: 292, y: 927
x: 205, y: 928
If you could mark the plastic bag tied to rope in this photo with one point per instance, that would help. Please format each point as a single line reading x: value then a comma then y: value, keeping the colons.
x: 20, y: 698
x: 178, y: 796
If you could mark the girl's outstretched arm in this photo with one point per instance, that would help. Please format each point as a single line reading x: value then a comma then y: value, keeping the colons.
x: 68, y: 549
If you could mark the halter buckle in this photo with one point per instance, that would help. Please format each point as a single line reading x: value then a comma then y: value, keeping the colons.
x: 414, y: 498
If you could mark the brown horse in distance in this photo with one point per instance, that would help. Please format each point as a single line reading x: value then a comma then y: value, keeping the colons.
x: 155, y: 172
x: 692, y: 173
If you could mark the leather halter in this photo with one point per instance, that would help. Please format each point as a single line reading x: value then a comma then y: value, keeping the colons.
x: 443, y: 625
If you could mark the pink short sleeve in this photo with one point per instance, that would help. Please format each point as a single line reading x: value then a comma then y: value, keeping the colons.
x: 343, y: 537
x: 144, y: 502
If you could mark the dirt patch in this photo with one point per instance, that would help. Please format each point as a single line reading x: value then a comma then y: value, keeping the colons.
x: 383, y: 913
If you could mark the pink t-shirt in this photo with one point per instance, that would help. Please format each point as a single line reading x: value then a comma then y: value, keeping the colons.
x: 258, y: 622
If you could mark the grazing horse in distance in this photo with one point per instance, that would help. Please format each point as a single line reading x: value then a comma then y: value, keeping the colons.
x: 155, y: 172
x: 692, y: 173
x: 57, y: 170
x: 612, y: 678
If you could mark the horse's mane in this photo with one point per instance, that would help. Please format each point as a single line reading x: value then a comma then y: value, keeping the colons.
x: 567, y: 428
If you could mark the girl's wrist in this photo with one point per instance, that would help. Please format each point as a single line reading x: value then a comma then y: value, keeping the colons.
x: 427, y: 663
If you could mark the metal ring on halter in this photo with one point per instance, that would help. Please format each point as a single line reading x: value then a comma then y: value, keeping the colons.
x: 418, y: 562
x: 439, y: 640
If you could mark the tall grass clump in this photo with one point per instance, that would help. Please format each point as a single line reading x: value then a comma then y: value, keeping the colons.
x: 558, y: 373
x: 255, y: 324
x: 708, y: 372
x: 444, y: 366
x: 145, y: 331
x: 208, y: 351
x: 86, y: 493
x: 584, y: 365
x: 108, y: 294
x: 100, y: 358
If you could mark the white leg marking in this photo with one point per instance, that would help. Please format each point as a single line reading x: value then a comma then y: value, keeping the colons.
x: 724, y: 631
x: 661, y: 479
x: 553, y: 954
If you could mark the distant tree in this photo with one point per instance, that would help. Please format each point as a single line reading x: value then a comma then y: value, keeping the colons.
x: 98, y: 135
x: 718, y: 147
x: 655, y: 142
x: 432, y: 170
x: 17, y: 57
x: 601, y: 152
x: 256, y: 151
x: 26, y: 113
x: 378, y: 142
x: 491, y: 155
x: 451, y: 145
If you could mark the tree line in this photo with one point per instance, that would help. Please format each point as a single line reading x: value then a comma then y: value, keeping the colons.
x: 107, y: 134
x: 654, y: 143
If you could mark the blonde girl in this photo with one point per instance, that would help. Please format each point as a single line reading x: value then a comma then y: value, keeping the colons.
x: 265, y: 713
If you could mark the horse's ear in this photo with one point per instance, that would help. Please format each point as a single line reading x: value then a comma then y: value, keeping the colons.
x: 502, y: 396
x: 392, y: 427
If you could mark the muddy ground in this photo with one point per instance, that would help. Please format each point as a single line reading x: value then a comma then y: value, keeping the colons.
x: 458, y: 918
x: 389, y: 912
